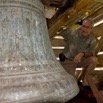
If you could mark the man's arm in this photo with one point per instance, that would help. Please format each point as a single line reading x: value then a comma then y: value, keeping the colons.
x: 89, y: 52
x: 91, y: 48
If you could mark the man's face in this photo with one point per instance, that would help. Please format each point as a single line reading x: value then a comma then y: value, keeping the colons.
x: 86, y: 28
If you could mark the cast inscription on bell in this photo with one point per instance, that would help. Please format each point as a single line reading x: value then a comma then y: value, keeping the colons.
x: 29, y: 71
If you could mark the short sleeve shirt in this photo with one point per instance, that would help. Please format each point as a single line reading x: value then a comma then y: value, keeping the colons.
x: 76, y: 43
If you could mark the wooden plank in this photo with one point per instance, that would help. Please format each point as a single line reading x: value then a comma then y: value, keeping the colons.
x: 95, y: 72
x: 97, y: 31
x: 100, y: 60
x: 94, y: 89
x: 57, y: 42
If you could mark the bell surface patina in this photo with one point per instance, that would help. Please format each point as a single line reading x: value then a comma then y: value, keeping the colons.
x: 29, y: 71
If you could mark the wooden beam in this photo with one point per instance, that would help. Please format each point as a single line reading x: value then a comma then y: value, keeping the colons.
x: 100, y: 60
x: 75, y: 14
x: 57, y: 42
x: 96, y: 92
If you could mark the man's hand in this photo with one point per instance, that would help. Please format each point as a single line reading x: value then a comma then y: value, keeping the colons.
x: 78, y: 57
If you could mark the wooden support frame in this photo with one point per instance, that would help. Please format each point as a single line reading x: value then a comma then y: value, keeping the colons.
x: 74, y: 14
x: 94, y: 89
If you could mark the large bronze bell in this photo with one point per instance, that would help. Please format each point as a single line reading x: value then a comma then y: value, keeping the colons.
x: 29, y: 71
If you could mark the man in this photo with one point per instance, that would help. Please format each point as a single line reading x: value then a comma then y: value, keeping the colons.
x: 79, y: 50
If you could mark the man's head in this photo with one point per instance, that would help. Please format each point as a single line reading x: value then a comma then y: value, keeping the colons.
x: 87, y: 26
